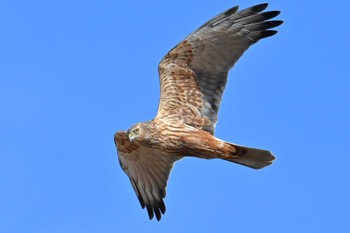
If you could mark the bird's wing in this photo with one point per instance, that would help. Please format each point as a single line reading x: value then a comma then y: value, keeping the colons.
x: 148, y: 170
x: 193, y: 74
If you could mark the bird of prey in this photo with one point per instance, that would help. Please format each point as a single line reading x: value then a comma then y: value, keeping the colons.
x: 193, y: 77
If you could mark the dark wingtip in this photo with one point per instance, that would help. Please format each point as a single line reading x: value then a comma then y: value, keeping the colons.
x: 268, y: 33
x: 260, y: 7
x: 156, y: 210
x: 277, y: 23
x: 150, y: 212
x: 162, y: 207
x: 271, y: 14
x: 158, y: 214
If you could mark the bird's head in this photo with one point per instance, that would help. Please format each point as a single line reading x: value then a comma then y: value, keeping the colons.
x: 136, y: 132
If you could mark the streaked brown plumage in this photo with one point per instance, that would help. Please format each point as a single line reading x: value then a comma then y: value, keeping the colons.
x: 193, y: 77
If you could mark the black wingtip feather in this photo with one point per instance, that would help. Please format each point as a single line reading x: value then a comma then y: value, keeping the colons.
x: 263, y: 25
x: 267, y: 33
x: 275, y: 23
x: 157, y: 212
x: 156, y: 209
x: 162, y: 208
x: 259, y: 7
x: 150, y: 212
x: 271, y: 14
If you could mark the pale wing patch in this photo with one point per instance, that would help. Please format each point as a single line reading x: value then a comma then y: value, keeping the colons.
x: 148, y: 170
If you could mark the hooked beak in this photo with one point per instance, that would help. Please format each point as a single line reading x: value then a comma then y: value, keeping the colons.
x: 130, y: 137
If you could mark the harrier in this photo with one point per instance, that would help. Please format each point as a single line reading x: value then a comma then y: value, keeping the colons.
x: 193, y: 77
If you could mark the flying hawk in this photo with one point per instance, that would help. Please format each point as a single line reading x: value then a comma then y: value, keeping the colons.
x: 193, y: 77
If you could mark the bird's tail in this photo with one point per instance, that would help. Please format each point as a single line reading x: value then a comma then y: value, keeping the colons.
x: 250, y: 157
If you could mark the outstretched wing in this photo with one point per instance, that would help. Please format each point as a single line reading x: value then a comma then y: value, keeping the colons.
x: 193, y: 75
x: 148, y: 171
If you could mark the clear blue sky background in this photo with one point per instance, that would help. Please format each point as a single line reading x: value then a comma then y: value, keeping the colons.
x: 74, y: 72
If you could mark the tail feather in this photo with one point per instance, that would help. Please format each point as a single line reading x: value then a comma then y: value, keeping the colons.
x: 250, y: 157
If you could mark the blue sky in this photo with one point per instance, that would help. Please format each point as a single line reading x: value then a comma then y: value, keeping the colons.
x: 74, y: 72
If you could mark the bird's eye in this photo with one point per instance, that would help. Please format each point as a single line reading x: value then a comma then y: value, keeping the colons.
x: 136, y: 130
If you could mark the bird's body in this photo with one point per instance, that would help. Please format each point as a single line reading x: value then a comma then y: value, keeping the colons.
x: 193, y: 77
